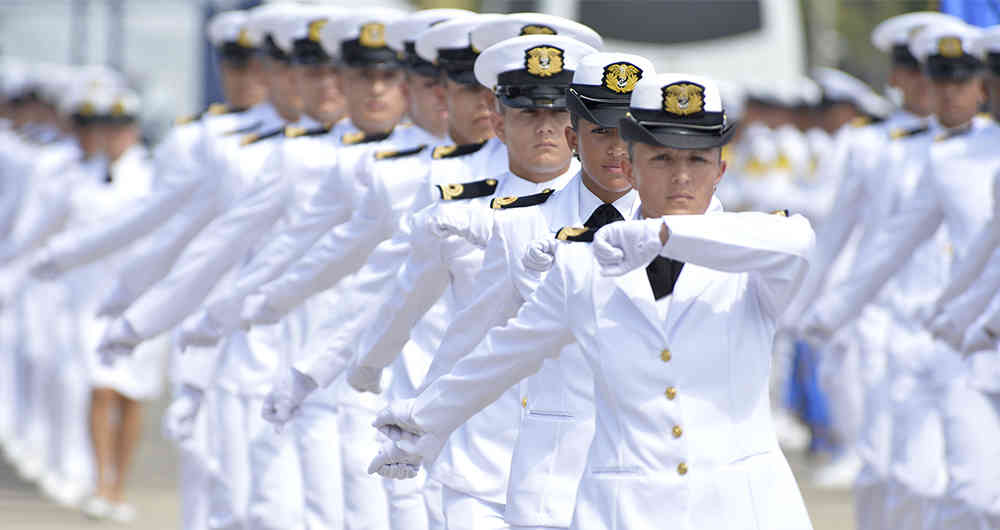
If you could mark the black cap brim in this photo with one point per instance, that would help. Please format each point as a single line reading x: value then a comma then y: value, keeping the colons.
x: 675, y: 137
x: 603, y: 114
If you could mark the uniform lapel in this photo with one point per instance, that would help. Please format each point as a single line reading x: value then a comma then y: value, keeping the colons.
x: 690, y: 284
x: 635, y: 286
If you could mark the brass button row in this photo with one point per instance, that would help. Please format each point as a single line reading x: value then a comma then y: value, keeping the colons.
x: 682, y: 469
x: 665, y: 355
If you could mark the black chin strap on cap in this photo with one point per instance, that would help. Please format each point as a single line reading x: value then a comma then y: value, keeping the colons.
x: 603, y: 111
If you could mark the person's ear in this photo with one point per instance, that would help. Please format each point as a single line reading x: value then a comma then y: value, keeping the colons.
x: 629, y: 170
x: 571, y: 139
x: 722, y: 171
x: 497, y: 117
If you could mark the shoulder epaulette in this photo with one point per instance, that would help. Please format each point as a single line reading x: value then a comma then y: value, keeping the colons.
x: 467, y: 190
x: 390, y: 154
x: 215, y: 109
x: 359, y: 137
x: 782, y: 213
x: 952, y: 133
x: 580, y: 234
x: 864, y: 121
x: 452, y: 151
x: 901, y: 132
x: 242, y: 130
x: 502, y: 203
x: 256, y: 137
x: 295, y: 132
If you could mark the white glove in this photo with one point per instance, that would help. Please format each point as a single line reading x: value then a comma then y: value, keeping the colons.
x: 283, y: 401
x: 452, y: 220
x: 199, y: 330
x: 44, y: 267
x: 119, y: 340
x: 395, y: 463
x: 178, y: 421
x: 624, y: 246
x: 257, y: 311
x: 541, y: 255
x: 116, y: 302
x: 944, y: 328
x: 978, y: 338
x: 365, y: 379
x: 395, y: 421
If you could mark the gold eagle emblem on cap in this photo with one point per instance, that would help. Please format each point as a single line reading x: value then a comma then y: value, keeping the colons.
x: 372, y: 35
x: 314, y: 28
x: 621, y: 77
x: 950, y: 47
x: 243, y: 39
x: 683, y: 98
x: 537, y: 29
x: 87, y: 109
x: 543, y: 61
x: 118, y: 108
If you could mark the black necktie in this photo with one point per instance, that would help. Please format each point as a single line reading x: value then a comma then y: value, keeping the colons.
x: 108, y: 178
x: 662, y: 274
x: 604, y: 214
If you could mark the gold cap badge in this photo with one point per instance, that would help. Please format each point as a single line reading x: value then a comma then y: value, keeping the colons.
x: 950, y: 47
x: 243, y: 39
x: 118, y: 108
x: 537, y: 29
x: 314, y: 28
x: 683, y: 98
x: 543, y: 61
x: 621, y: 77
x: 87, y: 109
x: 372, y: 35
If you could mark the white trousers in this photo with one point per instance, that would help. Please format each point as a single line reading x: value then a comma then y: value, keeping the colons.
x: 407, y: 505
x: 236, y: 421
x: 465, y: 512
x: 196, y: 466
x: 365, y: 504
x: 971, y: 422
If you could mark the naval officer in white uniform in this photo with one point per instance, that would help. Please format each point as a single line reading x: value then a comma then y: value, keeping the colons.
x: 679, y: 342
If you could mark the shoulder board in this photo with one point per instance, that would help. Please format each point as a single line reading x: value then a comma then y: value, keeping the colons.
x: 580, y: 234
x: 357, y: 138
x: 295, y: 132
x: 781, y: 213
x: 502, y: 203
x: 953, y: 133
x: 896, y: 134
x: 467, y: 190
x: 860, y: 121
x: 393, y: 153
x: 215, y: 109
x: 256, y: 137
x: 452, y: 151
x: 243, y: 130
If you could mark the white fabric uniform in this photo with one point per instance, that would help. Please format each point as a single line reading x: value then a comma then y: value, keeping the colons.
x: 556, y: 423
x: 477, y: 463
x: 722, y: 467
x: 962, y: 205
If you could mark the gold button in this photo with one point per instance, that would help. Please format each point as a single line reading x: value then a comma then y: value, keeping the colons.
x: 671, y: 392
x: 677, y: 431
x: 524, y: 402
x: 665, y: 355
x: 682, y: 468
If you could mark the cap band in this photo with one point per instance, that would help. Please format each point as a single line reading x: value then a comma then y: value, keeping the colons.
x: 993, y: 62
x: 360, y: 54
x: 901, y: 56
x: 958, y: 68
x: 308, y: 52
x: 417, y: 64
x: 272, y: 50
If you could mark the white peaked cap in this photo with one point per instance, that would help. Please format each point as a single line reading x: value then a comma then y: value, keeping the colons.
x: 520, y: 24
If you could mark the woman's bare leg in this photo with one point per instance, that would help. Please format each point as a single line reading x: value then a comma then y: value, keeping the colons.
x: 102, y: 435
x: 128, y: 433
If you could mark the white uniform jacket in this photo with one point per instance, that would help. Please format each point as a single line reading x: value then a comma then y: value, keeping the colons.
x: 683, y: 426
x: 557, y: 411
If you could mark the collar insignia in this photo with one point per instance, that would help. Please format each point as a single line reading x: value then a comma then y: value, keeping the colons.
x: 543, y: 61
x: 502, y: 203
x: 443, y: 151
x: 683, y: 98
x: 467, y: 190
x: 621, y: 77
x: 576, y: 233
x: 780, y: 213
x: 393, y: 153
x: 372, y: 35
